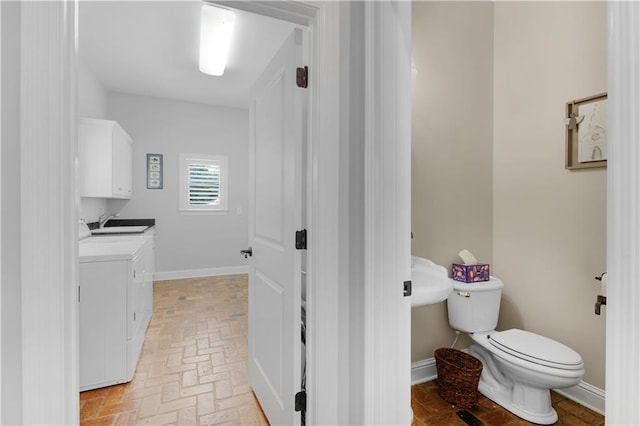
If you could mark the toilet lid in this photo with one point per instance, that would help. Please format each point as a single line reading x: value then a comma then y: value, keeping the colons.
x: 535, y: 348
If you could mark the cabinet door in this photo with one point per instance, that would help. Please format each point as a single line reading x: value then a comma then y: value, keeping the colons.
x: 137, y: 318
x: 147, y: 285
x: 122, y: 163
x: 95, y: 152
x: 106, y: 161
x: 103, y: 327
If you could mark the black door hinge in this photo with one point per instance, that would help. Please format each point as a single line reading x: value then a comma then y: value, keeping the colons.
x: 302, y: 77
x: 301, y: 401
x: 301, y: 240
x: 406, y: 287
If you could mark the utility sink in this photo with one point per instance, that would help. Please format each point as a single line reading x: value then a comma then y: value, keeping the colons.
x: 430, y: 283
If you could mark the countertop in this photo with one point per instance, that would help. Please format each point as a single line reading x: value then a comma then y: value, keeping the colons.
x: 107, y: 248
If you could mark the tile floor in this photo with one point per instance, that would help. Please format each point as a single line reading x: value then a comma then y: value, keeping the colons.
x: 192, y: 369
x: 429, y: 409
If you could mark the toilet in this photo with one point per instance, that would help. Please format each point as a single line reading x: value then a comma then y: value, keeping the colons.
x: 520, y: 367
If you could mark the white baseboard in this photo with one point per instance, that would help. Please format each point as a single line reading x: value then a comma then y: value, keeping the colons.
x: 198, y: 273
x: 583, y: 393
x: 423, y: 371
x: 586, y: 395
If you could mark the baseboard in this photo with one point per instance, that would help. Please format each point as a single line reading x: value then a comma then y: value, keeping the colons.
x: 584, y: 394
x: 423, y: 371
x: 198, y: 273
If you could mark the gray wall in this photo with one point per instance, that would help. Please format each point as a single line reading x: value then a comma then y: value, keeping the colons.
x: 11, y: 378
x: 452, y: 137
x: 186, y: 242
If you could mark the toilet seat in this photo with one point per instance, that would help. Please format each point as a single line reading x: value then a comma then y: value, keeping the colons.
x: 536, y: 349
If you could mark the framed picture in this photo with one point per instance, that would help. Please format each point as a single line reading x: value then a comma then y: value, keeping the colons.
x: 154, y: 171
x: 586, y: 121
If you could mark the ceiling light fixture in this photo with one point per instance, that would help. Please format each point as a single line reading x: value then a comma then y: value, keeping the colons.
x: 216, y: 28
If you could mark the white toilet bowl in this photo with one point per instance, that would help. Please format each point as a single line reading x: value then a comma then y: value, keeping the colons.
x: 520, y: 367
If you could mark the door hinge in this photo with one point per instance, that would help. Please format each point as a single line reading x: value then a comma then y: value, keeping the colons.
x: 301, y: 401
x: 406, y: 288
x: 302, y: 77
x: 301, y: 240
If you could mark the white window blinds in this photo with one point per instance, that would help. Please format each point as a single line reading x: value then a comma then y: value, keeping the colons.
x: 203, y: 183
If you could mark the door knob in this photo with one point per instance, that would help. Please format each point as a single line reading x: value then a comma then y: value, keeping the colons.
x: 248, y: 252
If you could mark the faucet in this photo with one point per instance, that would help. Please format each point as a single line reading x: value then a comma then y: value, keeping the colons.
x: 104, y: 217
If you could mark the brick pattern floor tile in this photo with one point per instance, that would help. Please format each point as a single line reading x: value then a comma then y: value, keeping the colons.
x: 192, y: 368
x: 429, y: 409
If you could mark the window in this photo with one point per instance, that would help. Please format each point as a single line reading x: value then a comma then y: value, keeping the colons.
x: 203, y: 183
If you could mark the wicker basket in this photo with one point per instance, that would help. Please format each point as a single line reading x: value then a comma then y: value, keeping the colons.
x: 458, y: 376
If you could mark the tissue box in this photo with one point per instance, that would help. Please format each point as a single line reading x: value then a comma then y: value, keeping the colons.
x: 471, y: 273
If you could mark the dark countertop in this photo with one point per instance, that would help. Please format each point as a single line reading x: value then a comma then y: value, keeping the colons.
x: 123, y: 222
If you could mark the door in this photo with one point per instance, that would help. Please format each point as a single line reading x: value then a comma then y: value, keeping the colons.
x: 275, y: 194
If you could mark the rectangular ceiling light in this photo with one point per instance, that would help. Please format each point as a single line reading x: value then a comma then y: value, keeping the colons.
x: 216, y: 28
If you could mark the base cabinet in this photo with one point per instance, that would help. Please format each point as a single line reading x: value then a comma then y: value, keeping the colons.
x: 116, y: 304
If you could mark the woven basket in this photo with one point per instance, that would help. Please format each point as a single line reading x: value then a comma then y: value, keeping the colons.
x: 458, y: 376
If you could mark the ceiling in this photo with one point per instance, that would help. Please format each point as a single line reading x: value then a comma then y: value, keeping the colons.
x: 151, y: 48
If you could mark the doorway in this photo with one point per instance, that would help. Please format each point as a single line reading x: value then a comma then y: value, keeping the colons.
x: 124, y: 55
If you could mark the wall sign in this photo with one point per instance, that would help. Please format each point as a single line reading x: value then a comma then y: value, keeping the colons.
x: 154, y: 171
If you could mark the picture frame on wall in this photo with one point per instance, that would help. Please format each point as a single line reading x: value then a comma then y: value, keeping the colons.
x: 154, y: 171
x: 586, y: 136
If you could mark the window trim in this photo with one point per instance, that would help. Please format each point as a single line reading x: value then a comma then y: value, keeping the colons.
x: 221, y: 161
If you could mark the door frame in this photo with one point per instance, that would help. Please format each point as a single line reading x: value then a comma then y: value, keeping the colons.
x: 49, y: 213
x: 49, y: 284
x: 0, y: 212
x: 623, y: 211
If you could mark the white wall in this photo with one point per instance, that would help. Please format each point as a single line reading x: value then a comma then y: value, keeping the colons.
x: 92, y: 96
x: 186, y: 242
x: 452, y: 146
x: 92, y: 103
x: 11, y: 378
x: 549, y: 223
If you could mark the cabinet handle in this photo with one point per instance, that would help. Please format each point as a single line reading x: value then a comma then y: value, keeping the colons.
x: 134, y: 316
x: 134, y: 274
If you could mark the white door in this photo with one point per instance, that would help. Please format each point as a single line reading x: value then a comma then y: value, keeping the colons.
x: 275, y: 166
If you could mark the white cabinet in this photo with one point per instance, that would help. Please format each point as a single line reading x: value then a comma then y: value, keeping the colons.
x: 116, y: 304
x: 106, y: 159
x: 139, y: 304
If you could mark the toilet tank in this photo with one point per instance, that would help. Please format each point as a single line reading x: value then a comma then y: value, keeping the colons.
x: 474, y: 307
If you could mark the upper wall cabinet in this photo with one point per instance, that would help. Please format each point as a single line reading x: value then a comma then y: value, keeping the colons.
x: 106, y: 159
